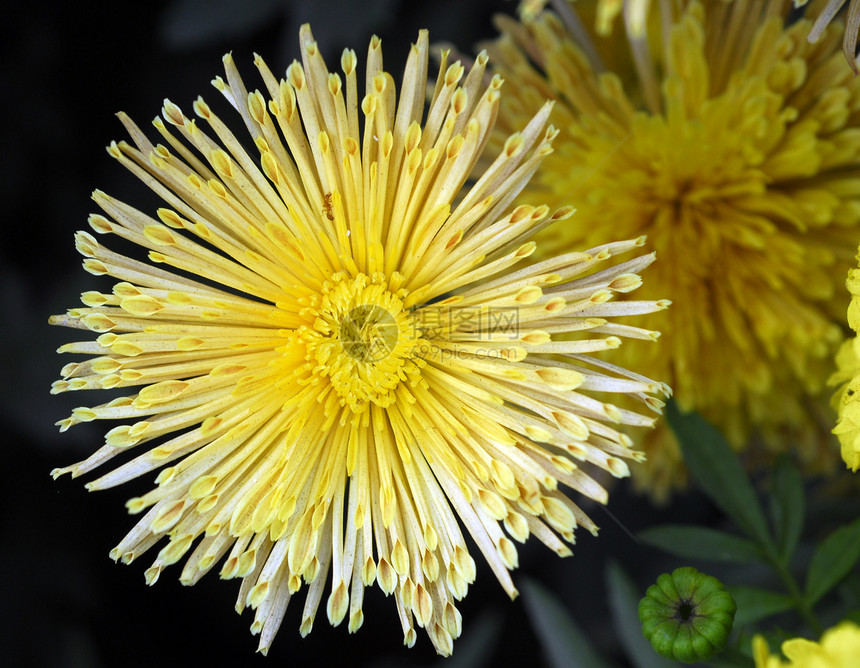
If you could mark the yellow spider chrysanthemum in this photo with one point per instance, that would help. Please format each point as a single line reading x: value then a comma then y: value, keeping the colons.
x: 839, y: 648
x: 734, y: 144
x: 846, y: 400
x: 343, y: 357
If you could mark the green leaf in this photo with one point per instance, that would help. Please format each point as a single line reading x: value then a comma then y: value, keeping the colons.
x: 719, y: 472
x: 849, y: 590
x: 755, y: 604
x: 562, y: 640
x: 832, y: 560
x: 624, y: 603
x: 787, y: 507
x: 695, y: 542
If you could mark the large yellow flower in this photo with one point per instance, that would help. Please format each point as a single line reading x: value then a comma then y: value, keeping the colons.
x: 635, y: 14
x: 341, y: 357
x: 839, y: 647
x: 734, y: 144
x: 846, y: 400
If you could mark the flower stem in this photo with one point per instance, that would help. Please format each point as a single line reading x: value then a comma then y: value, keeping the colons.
x: 800, y: 604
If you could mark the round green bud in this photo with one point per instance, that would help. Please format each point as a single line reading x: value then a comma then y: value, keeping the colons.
x: 687, y: 615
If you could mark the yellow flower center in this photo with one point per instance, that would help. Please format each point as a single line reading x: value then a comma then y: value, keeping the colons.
x: 368, y: 333
x: 362, y: 340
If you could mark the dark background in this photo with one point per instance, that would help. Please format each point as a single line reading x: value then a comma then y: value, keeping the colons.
x: 66, y: 68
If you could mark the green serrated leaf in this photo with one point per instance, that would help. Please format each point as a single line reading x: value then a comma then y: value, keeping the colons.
x: 832, y: 560
x: 624, y: 603
x: 719, y: 472
x: 562, y: 640
x: 849, y: 590
x: 787, y: 507
x: 695, y: 542
x: 755, y: 604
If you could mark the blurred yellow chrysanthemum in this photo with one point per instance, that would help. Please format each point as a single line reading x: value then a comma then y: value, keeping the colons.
x: 635, y: 13
x: 346, y: 358
x: 839, y: 648
x: 846, y: 400
x: 734, y: 144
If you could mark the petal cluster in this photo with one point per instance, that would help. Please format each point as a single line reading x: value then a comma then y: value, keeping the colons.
x: 839, y: 647
x: 635, y: 14
x: 340, y: 359
x: 846, y: 400
x: 732, y: 142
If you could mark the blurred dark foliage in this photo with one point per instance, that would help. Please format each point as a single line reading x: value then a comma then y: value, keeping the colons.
x: 65, y: 69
